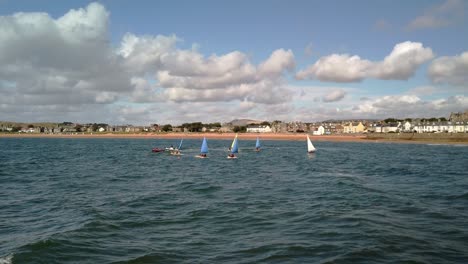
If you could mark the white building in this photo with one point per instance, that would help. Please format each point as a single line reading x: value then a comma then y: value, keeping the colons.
x: 407, y: 126
x: 394, y: 127
x: 259, y: 129
x: 449, y: 127
x: 320, y: 131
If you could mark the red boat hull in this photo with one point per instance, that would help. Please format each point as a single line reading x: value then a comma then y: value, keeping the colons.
x: 157, y: 150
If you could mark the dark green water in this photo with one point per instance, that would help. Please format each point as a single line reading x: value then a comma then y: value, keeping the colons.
x: 113, y: 201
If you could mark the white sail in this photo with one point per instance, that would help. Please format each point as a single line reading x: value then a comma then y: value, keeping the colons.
x: 310, y: 147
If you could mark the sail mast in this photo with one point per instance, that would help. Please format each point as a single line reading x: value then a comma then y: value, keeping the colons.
x: 180, y: 144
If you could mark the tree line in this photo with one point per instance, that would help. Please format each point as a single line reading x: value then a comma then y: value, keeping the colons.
x: 432, y: 119
x: 192, y: 127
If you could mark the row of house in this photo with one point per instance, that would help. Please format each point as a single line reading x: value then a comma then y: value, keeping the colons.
x: 371, y: 127
x: 458, y: 123
x: 314, y: 128
x: 438, y: 127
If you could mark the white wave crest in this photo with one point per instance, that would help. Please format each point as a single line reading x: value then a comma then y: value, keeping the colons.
x: 6, y: 259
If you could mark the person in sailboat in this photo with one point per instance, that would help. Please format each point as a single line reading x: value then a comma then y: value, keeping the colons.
x: 171, y: 148
x: 176, y: 151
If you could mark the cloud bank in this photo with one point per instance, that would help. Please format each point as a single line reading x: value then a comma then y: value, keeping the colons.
x: 66, y: 69
x: 410, y: 106
x: 68, y: 64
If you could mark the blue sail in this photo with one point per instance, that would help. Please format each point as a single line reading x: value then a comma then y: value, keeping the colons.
x: 257, y: 145
x: 234, y: 147
x: 204, y: 147
x: 180, y: 145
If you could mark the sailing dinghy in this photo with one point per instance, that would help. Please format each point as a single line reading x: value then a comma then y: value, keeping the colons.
x: 176, y: 152
x: 310, y: 147
x: 203, y: 150
x: 257, y: 145
x: 234, y: 149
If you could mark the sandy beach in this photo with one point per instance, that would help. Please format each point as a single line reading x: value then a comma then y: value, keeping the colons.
x: 241, y: 136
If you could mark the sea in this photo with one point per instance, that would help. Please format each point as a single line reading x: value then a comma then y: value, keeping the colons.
x: 65, y: 200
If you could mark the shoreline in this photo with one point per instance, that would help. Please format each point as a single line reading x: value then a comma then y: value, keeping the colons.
x: 241, y: 136
x: 244, y: 136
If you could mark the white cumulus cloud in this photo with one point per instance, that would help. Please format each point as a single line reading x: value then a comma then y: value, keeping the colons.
x: 400, y: 64
x: 60, y: 61
x: 188, y: 75
x: 337, y: 68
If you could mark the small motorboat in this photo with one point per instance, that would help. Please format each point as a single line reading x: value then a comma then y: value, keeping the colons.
x: 157, y: 150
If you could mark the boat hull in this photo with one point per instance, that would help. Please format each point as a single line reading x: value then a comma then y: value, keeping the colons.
x: 156, y: 150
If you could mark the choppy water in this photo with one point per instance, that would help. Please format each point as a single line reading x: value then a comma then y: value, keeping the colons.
x: 113, y: 201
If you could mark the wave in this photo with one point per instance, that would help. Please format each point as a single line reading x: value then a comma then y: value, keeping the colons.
x: 359, y: 255
x: 6, y: 259
x: 155, y: 258
x: 463, y: 196
x: 207, y: 189
x: 287, y: 252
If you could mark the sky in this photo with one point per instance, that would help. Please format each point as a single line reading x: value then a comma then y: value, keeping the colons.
x: 145, y: 62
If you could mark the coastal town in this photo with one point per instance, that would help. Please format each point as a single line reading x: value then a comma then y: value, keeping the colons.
x: 455, y: 123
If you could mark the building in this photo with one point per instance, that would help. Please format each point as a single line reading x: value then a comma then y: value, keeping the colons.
x: 296, y: 127
x: 407, y: 126
x: 459, y: 117
x: 279, y: 127
x: 259, y: 129
x: 333, y: 129
x: 178, y: 129
x: 225, y: 128
x: 391, y: 128
x: 354, y: 128
x: 460, y: 127
x: 439, y: 127
x: 319, y: 131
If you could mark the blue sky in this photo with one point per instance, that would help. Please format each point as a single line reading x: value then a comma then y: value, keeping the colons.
x: 287, y: 60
